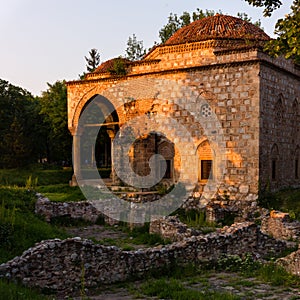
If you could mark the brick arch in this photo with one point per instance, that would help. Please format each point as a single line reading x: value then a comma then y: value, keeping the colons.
x: 166, y: 149
x: 88, y: 97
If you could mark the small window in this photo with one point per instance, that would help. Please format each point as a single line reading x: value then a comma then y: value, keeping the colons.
x: 274, y: 169
x: 296, y: 169
x: 168, y: 172
x: 206, y: 169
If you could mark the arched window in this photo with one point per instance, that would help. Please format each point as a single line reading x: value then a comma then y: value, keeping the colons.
x: 296, y: 107
x: 296, y: 162
x: 206, y: 161
x: 274, y: 162
x: 279, y: 109
x: 166, y: 149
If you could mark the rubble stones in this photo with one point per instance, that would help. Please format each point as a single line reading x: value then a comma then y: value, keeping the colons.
x: 59, y: 265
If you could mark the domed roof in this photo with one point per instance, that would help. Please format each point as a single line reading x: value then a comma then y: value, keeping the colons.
x: 217, y: 27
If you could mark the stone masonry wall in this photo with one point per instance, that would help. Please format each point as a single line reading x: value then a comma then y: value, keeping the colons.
x: 172, y: 228
x: 291, y: 263
x: 279, y: 127
x: 61, y: 265
x: 75, y: 210
x: 280, y: 226
x: 229, y: 90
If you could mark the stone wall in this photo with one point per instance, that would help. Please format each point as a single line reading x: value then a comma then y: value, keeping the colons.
x: 172, y: 228
x: 63, y: 265
x: 75, y: 210
x: 279, y: 126
x: 291, y: 263
x: 280, y: 226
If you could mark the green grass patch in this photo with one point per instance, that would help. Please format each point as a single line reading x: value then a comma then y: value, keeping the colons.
x: 13, y: 291
x: 61, y: 193
x: 174, y: 289
x: 196, y: 219
x: 19, y: 177
x: 276, y: 275
x: 286, y: 200
x: 20, y: 228
x: 135, y: 236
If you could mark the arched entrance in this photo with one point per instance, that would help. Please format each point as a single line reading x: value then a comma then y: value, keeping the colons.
x: 98, y: 118
x: 144, y: 148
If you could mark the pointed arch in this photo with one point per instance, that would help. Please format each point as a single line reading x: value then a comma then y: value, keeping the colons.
x: 297, y: 162
x: 296, y: 107
x: 274, y: 162
x: 279, y: 109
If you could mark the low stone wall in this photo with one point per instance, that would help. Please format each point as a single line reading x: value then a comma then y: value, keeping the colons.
x: 172, y: 228
x: 291, y: 263
x: 280, y: 226
x: 76, y: 210
x: 63, y: 266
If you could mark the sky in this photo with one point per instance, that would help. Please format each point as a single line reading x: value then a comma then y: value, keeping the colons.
x: 46, y: 40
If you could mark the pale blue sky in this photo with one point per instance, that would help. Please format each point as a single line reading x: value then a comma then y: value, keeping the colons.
x: 46, y: 40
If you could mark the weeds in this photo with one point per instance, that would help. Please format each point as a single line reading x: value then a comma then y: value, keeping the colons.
x: 174, y: 289
x: 286, y: 200
x: 195, y: 219
x: 12, y: 291
x: 31, y: 183
x: 20, y: 228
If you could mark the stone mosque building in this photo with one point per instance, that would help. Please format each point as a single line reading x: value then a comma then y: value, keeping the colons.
x: 214, y: 80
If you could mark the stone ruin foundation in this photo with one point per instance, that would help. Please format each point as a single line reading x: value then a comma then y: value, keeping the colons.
x: 57, y: 266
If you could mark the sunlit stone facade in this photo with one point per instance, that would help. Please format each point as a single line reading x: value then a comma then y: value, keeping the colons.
x: 239, y: 107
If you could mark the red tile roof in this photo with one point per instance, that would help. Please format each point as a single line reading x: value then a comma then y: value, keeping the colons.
x: 109, y: 64
x: 217, y: 27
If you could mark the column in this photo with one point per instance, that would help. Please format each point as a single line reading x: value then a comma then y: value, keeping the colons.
x: 76, y: 160
x: 113, y: 175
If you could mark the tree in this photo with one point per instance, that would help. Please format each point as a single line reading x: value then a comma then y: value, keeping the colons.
x: 118, y: 67
x: 135, y: 49
x: 269, y: 5
x: 21, y: 143
x: 288, y: 41
x: 54, y: 110
x: 93, y: 61
x: 245, y: 17
x: 175, y: 22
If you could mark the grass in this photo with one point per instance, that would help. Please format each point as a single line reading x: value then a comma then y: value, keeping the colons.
x: 174, y: 289
x: 61, y: 192
x: 20, y: 228
x: 18, y: 177
x: 195, y: 219
x: 135, y: 236
x: 286, y: 200
x: 13, y: 291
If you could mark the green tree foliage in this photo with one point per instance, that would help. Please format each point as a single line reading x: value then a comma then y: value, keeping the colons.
x: 93, y: 60
x: 245, y: 17
x: 19, y: 133
x: 269, y: 5
x: 54, y: 110
x: 119, y: 67
x: 175, y: 22
x: 288, y: 41
x: 135, y: 49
